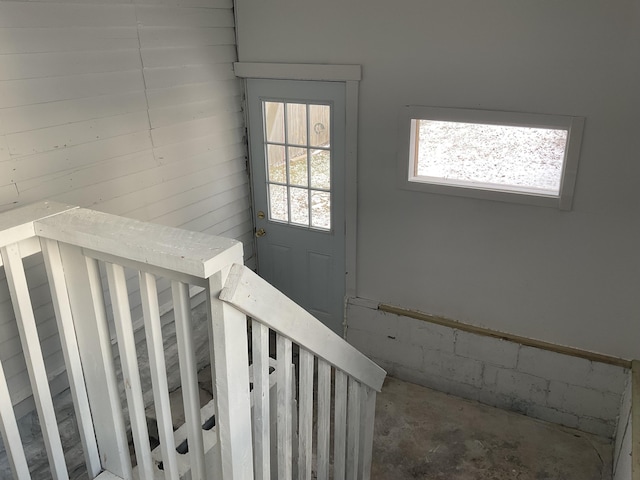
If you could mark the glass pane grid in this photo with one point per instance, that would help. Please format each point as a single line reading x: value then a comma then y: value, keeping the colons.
x: 298, y: 162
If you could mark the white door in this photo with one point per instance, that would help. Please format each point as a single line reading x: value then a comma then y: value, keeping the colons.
x: 297, y: 150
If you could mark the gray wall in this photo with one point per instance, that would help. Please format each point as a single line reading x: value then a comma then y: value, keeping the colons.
x: 129, y: 108
x: 569, y: 278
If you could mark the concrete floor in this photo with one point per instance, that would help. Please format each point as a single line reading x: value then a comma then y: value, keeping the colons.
x: 424, y: 434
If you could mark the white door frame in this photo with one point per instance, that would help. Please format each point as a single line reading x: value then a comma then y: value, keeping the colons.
x: 350, y: 75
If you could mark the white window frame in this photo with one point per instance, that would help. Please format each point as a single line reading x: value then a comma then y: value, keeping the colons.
x: 407, y: 151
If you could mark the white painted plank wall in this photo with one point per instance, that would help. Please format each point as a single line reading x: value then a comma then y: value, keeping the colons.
x: 131, y: 108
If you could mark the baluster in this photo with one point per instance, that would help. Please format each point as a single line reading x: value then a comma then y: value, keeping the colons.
x: 305, y: 417
x: 214, y: 458
x: 324, y: 419
x: 261, y: 424
x: 25, y: 319
x: 10, y: 433
x: 367, y: 418
x: 353, y: 428
x: 64, y: 319
x: 130, y: 372
x: 189, y: 378
x: 284, y: 397
x: 340, y: 425
x: 155, y: 347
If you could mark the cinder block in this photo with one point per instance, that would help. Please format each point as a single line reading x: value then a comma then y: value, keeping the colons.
x: 425, y: 334
x: 385, y: 348
x: 412, y: 375
x: 608, y: 378
x: 583, y: 401
x: 553, y: 415
x: 370, y: 320
x: 498, y: 400
x: 517, y: 385
x: 438, y: 383
x: 487, y: 349
x: 623, y: 418
x: 361, y: 340
x: 490, y: 376
x: 596, y: 426
x: 452, y: 367
x: 553, y: 366
x: 491, y: 398
x: 464, y: 390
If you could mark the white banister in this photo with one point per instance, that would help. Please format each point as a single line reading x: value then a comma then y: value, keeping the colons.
x: 229, y: 327
x: 284, y: 399
x: 173, y: 249
x: 66, y: 330
x: 18, y: 224
x: 368, y: 413
x: 355, y: 377
x: 261, y: 412
x: 188, y: 376
x: 130, y: 371
x: 94, y: 343
x: 324, y: 419
x: 305, y: 424
x: 263, y: 429
x: 10, y: 433
x: 259, y: 299
x: 353, y: 428
x: 153, y: 333
x: 340, y: 425
x: 217, y: 464
x: 25, y: 319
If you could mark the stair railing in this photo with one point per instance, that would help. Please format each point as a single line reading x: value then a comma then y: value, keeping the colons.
x: 356, y: 380
x: 96, y: 264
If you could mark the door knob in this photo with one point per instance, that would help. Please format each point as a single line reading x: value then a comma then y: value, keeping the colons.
x: 260, y: 232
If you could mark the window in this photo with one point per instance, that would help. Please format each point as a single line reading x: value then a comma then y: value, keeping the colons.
x: 298, y: 161
x: 524, y: 158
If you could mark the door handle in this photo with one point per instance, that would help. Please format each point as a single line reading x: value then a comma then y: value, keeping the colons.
x: 260, y: 232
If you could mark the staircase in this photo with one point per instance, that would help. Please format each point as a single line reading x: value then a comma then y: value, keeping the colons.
x: 278, y: 374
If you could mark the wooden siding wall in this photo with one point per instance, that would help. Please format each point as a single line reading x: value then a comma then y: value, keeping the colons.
x: 128, y: 108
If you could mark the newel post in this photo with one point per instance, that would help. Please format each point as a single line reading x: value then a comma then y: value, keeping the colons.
x: 94, y: 343
x: 231, y: 382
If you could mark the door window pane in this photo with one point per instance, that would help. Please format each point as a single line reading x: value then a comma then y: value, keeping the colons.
x: 319, y: 125
x: 298, y: 167
x: 276, y: 164
x: 274, y: 121
x: 321, y: 210
x: 300, y: 206
x: 278, y: 203
x: 321, y: 169
x: 297, y: 123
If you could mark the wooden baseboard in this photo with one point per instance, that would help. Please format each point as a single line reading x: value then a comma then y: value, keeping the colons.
x: 530, y: 342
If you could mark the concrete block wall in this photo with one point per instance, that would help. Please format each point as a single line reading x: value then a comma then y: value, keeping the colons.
x: 559, y: 388
x: 622, y: 469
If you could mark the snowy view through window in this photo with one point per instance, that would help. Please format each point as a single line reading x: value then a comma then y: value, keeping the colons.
x: 513, y: 158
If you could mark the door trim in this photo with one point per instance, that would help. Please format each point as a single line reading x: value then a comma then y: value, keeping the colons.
x: 350, y: 75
